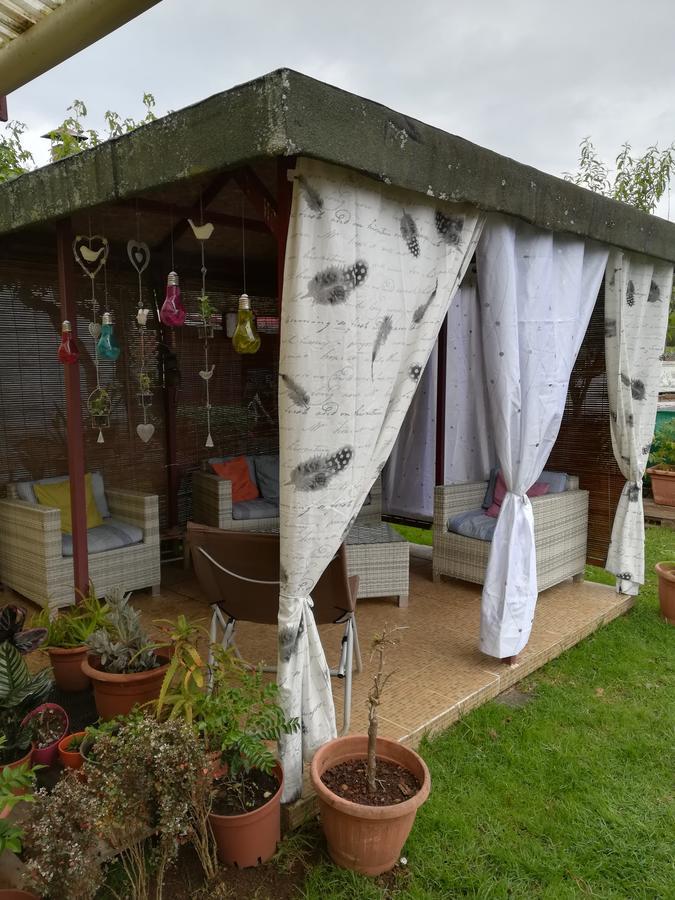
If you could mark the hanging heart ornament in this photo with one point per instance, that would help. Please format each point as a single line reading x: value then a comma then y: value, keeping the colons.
x: 91, y: 252
x: 94, y: 330
x: 145, y: 431
x: 139, y: 255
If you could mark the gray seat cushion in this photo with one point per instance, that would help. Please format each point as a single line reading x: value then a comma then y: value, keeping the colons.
x: 267, y: 476
x: 255, y: 509
x: 473, y: 523
x: 112, y: 535
x: 24, y: 491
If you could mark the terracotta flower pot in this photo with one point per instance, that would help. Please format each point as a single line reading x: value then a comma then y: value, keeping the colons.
x: 367, y: 839
x: 250, y: 838
x: 663, y: 485
x: 28, y: 758
x: 67, y: 665
x: 46, y: 756
x: 116, y: 695
x: 71, y: 759
x: 666, y: 573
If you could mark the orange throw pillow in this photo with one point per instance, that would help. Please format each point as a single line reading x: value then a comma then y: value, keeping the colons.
x: 236, y: 471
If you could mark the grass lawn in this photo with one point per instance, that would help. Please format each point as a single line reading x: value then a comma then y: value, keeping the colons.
x: 570, y: 795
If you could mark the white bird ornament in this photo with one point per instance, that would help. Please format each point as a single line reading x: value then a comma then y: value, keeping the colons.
x: 201, y: 232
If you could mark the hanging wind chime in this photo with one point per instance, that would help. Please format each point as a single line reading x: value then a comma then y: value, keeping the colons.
x: 206, y: 309
x: 91, y: 253
x: 139, y: 257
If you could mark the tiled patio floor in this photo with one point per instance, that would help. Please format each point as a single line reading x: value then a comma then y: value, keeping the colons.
x: 439, y: 672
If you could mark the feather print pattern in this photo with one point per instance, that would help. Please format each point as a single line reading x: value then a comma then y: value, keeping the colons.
x: 449, y: 228
x: 314, y: 474
x: 630, y: 293
x: 298, y: 394
x: 312, y: 196
x: 383, y: 333
x: 654, y: 293
x: 333, y: 285
x: 410, y: 234
x: 421, y: 310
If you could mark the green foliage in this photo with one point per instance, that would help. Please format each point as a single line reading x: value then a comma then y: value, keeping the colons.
x: 15, y: 787
x: 14, y: 158
x: 640, y: 181
x: 240, y: 714
x: 206, y: 308
x: 12, y: 619
x: 122, y: 644
x: 18, y: 686
x: 662, y: 451
x: 72, y: 626
x: 183, y: 686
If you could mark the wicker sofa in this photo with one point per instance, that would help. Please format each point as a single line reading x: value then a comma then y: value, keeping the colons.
x: 560, y: 531
x: 212, y: 505
x: 32, y: 560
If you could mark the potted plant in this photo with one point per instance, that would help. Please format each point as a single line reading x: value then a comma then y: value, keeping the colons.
x: 661, y: 467
x: 67, y: 633
x: 20, y: 690
x: 69, y: 750
x: 15, y: 787
x: 666, y: 575
x: 369, y: 788
x: 122, y: 662
x: 237, y: 718
x: 47, y: 724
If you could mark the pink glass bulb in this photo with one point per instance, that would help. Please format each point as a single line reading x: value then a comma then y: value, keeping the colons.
x: 67, y: 352
x: 172, y: 312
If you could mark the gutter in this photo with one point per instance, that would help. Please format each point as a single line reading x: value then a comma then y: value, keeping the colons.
x: 61, y: 34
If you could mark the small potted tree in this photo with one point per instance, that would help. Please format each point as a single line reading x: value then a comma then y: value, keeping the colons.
x: 661, y: 468
x: 122, y: 663
x: 67, y: 633
x: 369, y: 788
x: 238, y: 718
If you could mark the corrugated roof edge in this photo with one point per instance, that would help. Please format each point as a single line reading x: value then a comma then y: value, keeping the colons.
x: 286, y: 113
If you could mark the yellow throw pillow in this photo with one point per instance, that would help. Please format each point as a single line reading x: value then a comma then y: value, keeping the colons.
x: 57, y: 494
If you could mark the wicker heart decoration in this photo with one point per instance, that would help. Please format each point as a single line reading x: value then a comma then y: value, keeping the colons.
x: 91, y: 253
x: 94, y: 330
x: 145, y: 431
x: 139, y: 255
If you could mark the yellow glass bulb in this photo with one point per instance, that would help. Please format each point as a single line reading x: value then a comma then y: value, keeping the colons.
x: 245, y: 338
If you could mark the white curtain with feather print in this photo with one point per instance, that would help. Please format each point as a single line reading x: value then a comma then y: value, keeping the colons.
x: 369, y: 274
x: 637, y: 300
x: 537, y: 292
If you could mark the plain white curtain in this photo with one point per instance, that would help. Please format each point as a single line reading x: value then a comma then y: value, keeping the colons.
x: 370, y: 271
x: 537, y: 291
x: 410, y: 474
x: 637, y: 300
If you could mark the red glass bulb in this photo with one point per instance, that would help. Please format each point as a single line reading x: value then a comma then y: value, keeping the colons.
x: 172, y: 312
x: 67, y: 352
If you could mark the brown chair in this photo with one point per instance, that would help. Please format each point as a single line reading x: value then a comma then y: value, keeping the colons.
x: 239, y: 573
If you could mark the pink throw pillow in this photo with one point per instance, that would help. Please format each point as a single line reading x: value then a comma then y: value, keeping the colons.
x: 538, y: 489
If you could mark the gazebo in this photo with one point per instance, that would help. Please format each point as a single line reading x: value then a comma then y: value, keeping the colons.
x: 369, y: 243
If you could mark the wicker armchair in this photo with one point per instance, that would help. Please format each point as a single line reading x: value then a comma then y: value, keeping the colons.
x: 560, y: 532
x: 32, y: 562
x: 212, y: 505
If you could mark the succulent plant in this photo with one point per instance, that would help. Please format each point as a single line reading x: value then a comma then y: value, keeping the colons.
x: 122, y: 644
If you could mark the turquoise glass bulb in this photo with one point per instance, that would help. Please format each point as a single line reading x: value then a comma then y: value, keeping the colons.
x: 107, y: 347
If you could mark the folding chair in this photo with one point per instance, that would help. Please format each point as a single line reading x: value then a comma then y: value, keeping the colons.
x: 239, y: 573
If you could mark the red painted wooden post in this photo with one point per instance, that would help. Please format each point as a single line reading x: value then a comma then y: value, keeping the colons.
x: 74, y: 425
x: 441, y: 383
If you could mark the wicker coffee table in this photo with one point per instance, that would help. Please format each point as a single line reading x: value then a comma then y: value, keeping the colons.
x: 379, y: 556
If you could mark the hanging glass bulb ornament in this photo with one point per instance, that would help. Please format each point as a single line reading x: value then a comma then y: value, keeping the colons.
x: 172, y: 312
x: 107, y: 347
x: 67, y: 352
x: 245, y: 338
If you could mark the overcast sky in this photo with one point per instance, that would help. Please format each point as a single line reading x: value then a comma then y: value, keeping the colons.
x: 527, y: 78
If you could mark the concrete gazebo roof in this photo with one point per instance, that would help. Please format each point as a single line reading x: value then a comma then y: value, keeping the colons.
x: 285, y: 113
